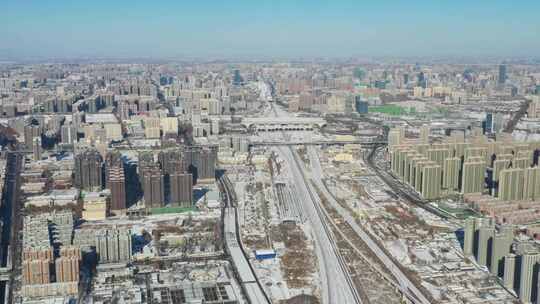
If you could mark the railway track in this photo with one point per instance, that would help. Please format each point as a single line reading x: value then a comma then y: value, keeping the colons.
x: 288, y: 208
x: 329, y: 289
x: 324, y: 218
x: 393, y: 185
x: 251, y: 286
x: 403, y: 282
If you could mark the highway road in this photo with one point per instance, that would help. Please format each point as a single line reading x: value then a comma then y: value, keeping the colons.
x: 407, y: 286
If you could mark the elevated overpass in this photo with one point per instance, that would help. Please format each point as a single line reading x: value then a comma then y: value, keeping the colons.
x: 270, y: 124
x: 364, y: 143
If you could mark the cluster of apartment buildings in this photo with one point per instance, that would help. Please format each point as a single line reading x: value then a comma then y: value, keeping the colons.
x: 515, y: 261
x: 50, y: 264
x: 505, y: 169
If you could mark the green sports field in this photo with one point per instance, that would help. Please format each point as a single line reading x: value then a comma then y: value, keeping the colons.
x: 389, y: 109
x: 167, y: 210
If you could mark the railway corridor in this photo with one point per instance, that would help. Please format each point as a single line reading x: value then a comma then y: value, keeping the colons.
x: 336, y: 283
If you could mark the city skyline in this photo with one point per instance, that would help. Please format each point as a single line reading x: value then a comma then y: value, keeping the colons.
x: 266, y: 30
x: 270, y: 152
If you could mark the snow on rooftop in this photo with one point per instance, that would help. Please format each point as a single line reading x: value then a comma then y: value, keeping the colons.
x: 101, y: 118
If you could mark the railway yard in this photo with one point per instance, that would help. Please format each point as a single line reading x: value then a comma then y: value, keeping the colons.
x: 422, y: 245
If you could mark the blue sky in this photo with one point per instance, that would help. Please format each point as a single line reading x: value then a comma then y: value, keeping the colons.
x: 279, y: 28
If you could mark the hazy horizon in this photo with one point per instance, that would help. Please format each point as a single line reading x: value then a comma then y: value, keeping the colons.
x: 268, y: 29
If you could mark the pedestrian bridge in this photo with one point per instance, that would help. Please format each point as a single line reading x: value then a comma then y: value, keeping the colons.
x: 269, y: 124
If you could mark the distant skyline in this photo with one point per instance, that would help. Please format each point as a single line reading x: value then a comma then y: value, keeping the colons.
x: 268, y: 29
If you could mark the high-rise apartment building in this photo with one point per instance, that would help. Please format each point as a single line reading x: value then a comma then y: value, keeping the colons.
x: 152, y: 127
x: 431, y: 181
x: 411, y: 170
x: 201, y: 161
x: 531, y: 184
x: 36, y: 148
x: 485, y: 242
x: 419, y: 177
x: 424, y: 134
x: 438, y: 155
x: 116, y: 182
x: 534, y: 107
x: 489, y: 123
x: 88, y: 170
x: 500, y: 247
x: 67, y: 269
x: 169, y: 125
x: 181, y: 189
x: 172, y: 160
x: 68, y: 134
x: 394, y: 138
x: 498, y: 166
x: 153, y: 187
x: 36, y: 271
x: 473, y: 177
x: 207, y: 163
x: 528, y: 276
x: 30, y: 132
x: 509, y: 271
x: 476, y: 153
x: 502, y: 74
x: 123, y: 110
x: 468, y: 240
x: 113, y: 246
x: 361, y: 107
x: 70, y: 251
x: 521, y: 162
x: 178, y: 182
x: 451, y: 171
x: 478, y: 239
x: 511, y: 183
